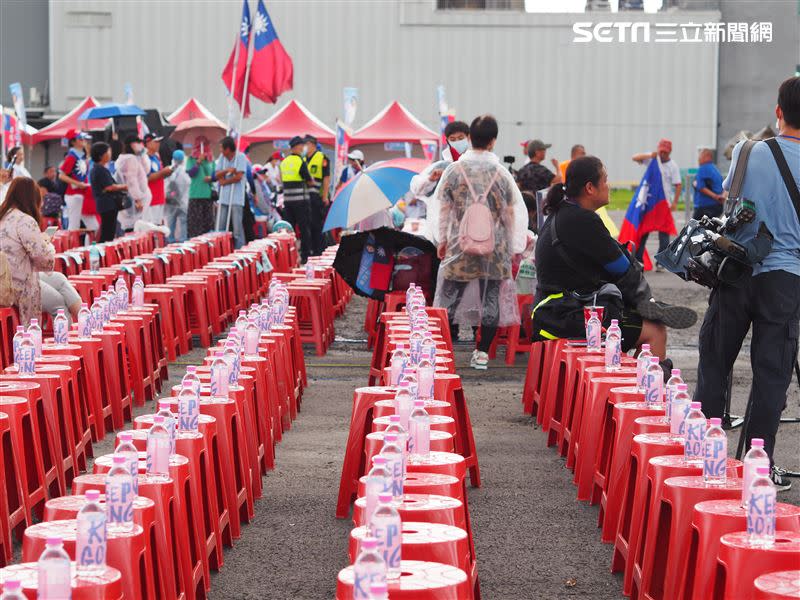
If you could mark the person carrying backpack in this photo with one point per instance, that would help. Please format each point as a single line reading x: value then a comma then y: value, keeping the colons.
x: 482, y: 225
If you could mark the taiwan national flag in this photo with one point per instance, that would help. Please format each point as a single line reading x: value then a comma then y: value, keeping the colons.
x: 271, y: 69
x: 234, y: 81
x: 649, y: 210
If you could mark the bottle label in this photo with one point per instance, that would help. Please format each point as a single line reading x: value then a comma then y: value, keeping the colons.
x: 678, y: 418
x: 362, y: 580
x: 389, y: 538
x: 90, y: 544
x: 189, y: 413
x: 425, y: 383
x: 715, y: 457
x: 395, y: 467
x: 761, y: 513
x: 60, y: 332
x: 654, y: 383
x: 119, y: 500
x: 157, y: 455
x: 26, y: 359
x: 693, y: 445
x: 55, y: 581
x: 613, y: 352
x: 593, y: 335
x: 219, y: 381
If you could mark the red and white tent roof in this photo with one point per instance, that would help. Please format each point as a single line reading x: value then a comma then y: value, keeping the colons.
x: 59, y: 129
x: 393, y: 124
x: 291, y: 120
x: 192, y: 109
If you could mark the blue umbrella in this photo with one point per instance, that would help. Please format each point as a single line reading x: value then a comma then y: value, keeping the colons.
x: 110, y: 111
x: 371, y: 191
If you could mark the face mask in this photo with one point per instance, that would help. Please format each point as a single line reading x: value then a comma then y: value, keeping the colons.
x: 137, y: 148
x: 305, y: 151
x: 460, y: 146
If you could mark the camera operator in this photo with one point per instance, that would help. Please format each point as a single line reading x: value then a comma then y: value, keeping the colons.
x: 770, y: 298
x: 578, y: 262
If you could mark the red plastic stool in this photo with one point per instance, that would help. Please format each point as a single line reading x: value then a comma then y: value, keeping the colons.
x: 425, y: 541
x: 117, y: 380
x: 425, y: 483
x: 313, y: 329
x: 739, y: 563
x: 418, y: 581
x: 385, y: 408
x: 263, y: 411
x: 364, y: 400
x: 561, y: 392
x: 9, y: 320
x: 428, y: 508
x: 95, y: 367
x: 105, y: 586
x: 710, y: 521
x: 533, y: 378
x: 10, y: 486
x: 633, y: 512
x: 126, y: 552
x: 671, y: 536
x: 441, y: 441
x: 779, y: 585
x: 615, y: 464
x: 448, y: 387
x: 651, y: 424
x: 438, y: 422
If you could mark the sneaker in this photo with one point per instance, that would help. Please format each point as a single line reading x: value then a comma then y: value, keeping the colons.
x: 779, y: 479
x: 479, y: 360
x: 674, y: 317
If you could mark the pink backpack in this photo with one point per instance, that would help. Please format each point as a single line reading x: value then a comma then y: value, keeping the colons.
x: 476, y: 231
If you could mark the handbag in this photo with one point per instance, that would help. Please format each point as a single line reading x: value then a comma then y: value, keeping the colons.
x: 124, y: 200
x: 51, y: 204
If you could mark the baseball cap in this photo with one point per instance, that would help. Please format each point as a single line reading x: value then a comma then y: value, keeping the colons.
x: 535, y: 145
x: 295, y: 141
x: 356, y: 155
x: 310, y: 139
x: 77, y: 134
x: 276, y: 155
x: 152, y: 137
x: 664, y: 145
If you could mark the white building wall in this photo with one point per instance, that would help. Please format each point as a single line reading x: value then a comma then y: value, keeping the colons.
x: 614, y: 98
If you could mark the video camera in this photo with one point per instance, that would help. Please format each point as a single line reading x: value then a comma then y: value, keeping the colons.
x: 509, y: 160
x: 703, y: 253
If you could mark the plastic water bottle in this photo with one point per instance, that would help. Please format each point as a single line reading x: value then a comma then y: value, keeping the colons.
x: 220, y: 373
x: 137, y: 296
x: 755, y: 458
x: 695, y: 433
x: 394, y: 456
x: 252, y: 335
x: 126, y: 449
x: 158, y: 441
x: 593, y: 333
x: 715, y: 454
x: 12, y: 590
x: 119, y: 496
x: 54, y: 571
x: 188, y: 409
x: 232, y: 357
x: 368, y: 569
x: 122, y: 293
x: 398, y: 363
x: 170, y: 423
x: 84, y: 321
x: 97, y: 316
x: 403, y: 403
x: 680, y: 408
x: 90, y: 543
x: 36, y: 336
x: 429, y: 346
x: 761, y: 509
x: 113, y: 302
x: 309, y: 271
x: 191, y: 379
x: 415, y: 346
x: 388, y: 530
x: 425, y: 375
x: 410, y: 293
x: 397, y: 429
x: 379, y: 481
x: 613, y: 353
x: 670, y: 390
x: 642, y: 362
x: 17, y: 341
x: 60, y: 327
x: 409, y: 380
x: 264, y: 316
x: 26, y: 356
x: 94, y: 258
x: 419, y: 440
x: 241, y: 321
x: 654, y: 383
x: 378, y: 591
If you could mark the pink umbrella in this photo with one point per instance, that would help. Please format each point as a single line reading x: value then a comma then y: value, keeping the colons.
x: 188, y: 131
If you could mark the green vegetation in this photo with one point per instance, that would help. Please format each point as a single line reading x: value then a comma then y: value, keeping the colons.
x: 620, y: 198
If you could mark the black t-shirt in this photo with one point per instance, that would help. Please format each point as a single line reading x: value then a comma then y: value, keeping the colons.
x: 588, y: 245
x: 100, y: 179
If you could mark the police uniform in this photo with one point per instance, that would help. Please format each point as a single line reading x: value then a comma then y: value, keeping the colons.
x: 295, y: 175
x: 319, y: 168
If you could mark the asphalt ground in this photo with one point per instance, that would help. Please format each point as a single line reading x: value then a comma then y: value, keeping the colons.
x: 532, y: 538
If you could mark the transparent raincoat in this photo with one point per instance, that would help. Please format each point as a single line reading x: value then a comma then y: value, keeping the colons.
x: 478, y: 288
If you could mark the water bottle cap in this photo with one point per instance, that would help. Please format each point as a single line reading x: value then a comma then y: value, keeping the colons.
x: 384, y: 498
x: 378, y: 460
x: 390, y: 437
x: 125, y: 436
x: 11, y: 585
x: 645, y: 347
x: 654, y: 360
x: 369, y: 543
x: 34, y: 322
x: 614, y: 322
x: 676, y: 372
x: 118, y: 459
x: 756, y: 443
x: 26, y: 336
x: 218, y: 354
x: 84, y: 305
x: 682, y: 387
x: 60, y: 312
x: 242, y: 313
x: 394, y: 418
x: 54, y: 540
x: 378, y: 588
x: 164, y: 405
x: 763, y: 471
x: 715, y: 422
x: 191, y: 368
x: 158, y: 419
x: 695, y: 405
x: 419, y: 403
x: 92, y: 495
x: 20, y: 329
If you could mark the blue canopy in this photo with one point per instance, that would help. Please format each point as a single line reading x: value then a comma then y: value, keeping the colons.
x: 110, y: 111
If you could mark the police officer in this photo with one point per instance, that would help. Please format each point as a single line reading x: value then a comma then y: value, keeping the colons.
x: 296, y: 178
x: 770, y: 298
x: 318, y: 191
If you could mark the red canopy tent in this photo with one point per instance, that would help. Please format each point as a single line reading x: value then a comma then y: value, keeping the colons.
x: 393, y: 124
x: 59, y: 129
x: 192, y: 109
x: 291, y: 120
